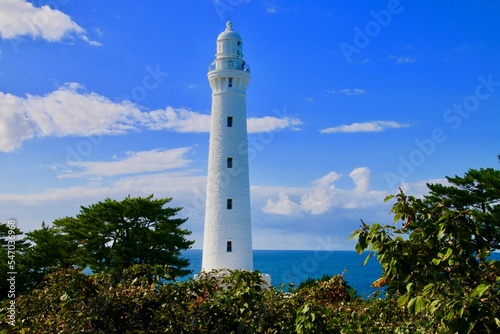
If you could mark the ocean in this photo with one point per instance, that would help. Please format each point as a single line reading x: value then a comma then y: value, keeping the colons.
x: 293, y: 267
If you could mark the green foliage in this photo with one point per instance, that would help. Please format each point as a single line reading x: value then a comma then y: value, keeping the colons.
x: 108, y: 236
x: 147, y: 301
x: 144, y: 302
x: 435, y: 255
x: 320, y: 296
x: 69, y: 301
x: 326, y: 290
x: 112, y: 235
x: 434, y: 259
x: 49, y: 250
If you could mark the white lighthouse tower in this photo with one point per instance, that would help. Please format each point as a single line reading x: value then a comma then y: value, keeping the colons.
x: 227, y: 240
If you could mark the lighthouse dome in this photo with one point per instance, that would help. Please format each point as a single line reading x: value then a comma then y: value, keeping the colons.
x: 229, y: 55
x: 229, y: 33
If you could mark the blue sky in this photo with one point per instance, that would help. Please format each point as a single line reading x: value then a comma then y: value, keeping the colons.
x: 348, y: 101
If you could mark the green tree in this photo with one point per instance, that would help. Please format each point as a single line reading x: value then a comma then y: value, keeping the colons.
x: 435, y: 257
x: 113, y: 235
x: 49, y: 250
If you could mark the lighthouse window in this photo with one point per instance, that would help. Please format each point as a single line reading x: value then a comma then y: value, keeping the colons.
x: 229, y: 247
x: 229, y: 203
x: 238, y: 50
x: 229, y: 162
x: 230, y: 82
x: 229, y: 121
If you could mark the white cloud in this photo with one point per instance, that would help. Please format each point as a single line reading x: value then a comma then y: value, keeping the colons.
x: 184, y: 120
x: 375, y: 126
x: 419, y: 189
x: 68, y: 111
x: 401, y: 59
x: 15, y: 127
x: 347, y: 91
x: 22, y: 18
x: 271, y: 123
x: 73, y: 111
x: 283, y: 206
x: 355, y: 91
x: 134, y: 162
x: 179, y: 120
x: 272, y: 9
x: 322, y: 196
x: 91, y: 42
x: 361, y: 196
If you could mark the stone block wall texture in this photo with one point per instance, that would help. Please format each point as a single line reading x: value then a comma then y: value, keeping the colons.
x: 223, y: 224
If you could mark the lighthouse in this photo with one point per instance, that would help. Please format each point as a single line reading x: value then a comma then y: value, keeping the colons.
x: 227, y: 242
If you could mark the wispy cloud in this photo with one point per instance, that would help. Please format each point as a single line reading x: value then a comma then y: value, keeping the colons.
x: 355, y: 91
x: 271, y: 123
x: 462, y: 48
x: 178, y: 120
x: 401, y: 59
x: 73, y: 111
x: 22, y: 18
x: 272, y: 9
x: 175, y: 183
x: 133, y: 163
x: 375, y: 126
x: 347, y: 91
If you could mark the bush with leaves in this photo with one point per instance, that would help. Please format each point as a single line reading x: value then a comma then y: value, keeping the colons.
x: 329, y: 305
x: 435, y: 257
x: 69, y: 301
x: 145, y: 301
x: 148, y: 301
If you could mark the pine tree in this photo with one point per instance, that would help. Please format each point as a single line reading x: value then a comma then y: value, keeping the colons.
x: 113, y: 235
